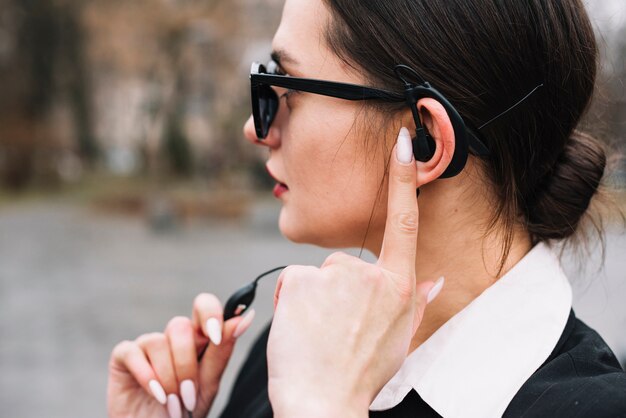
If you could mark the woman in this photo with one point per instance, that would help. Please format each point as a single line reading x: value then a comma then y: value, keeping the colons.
x: 352, y: 338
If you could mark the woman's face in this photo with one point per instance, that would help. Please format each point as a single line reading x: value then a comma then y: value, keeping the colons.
x: 317, y: 143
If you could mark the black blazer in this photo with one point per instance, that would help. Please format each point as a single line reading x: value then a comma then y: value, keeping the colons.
x: 581, y: 378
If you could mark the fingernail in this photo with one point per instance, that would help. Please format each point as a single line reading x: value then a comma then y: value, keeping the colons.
x: 173, y: 406
x: 404, y: 148
x: 214, y: 330
x: 435, y: 290
x: 188, y: 393
x: 244, y: 324
x: 157, y: 391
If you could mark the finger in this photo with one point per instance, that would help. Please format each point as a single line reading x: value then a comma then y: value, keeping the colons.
x: 127, y: 356
x: 279, y: 283
x: 291, y: 273
x: 400, y: 239
x: 179, y: 332
x: 156, y: 347
x: 338, y: 257
x: 208, y: 317
x: 215, y: 359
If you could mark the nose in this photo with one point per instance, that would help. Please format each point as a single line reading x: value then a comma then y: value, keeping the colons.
x: 272, y: 139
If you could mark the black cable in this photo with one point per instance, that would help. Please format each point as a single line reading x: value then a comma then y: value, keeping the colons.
x: 519, y: 102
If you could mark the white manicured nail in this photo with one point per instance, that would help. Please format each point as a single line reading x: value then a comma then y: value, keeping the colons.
x: 157, y: 391
x: 188, y: 393
x: 244, y: 324
x: 173, y: 406
x: 404, y: 149
x: 214, y: 330
x: 435, y: 290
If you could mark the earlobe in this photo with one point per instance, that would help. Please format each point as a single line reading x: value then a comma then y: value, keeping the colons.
x: 438, y: 129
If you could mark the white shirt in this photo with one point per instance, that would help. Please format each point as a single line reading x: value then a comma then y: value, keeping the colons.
x: 477, y: 361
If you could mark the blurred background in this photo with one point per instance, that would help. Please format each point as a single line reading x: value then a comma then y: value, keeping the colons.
x: 126, y: 186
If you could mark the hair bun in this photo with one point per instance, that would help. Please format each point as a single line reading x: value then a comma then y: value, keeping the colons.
x: 563, y: 196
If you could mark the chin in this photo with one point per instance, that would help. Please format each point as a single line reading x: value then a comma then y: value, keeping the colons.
x: 325, y: 236
x: 296, y: 232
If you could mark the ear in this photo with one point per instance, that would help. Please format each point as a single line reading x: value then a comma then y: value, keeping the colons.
x: 435, y: 119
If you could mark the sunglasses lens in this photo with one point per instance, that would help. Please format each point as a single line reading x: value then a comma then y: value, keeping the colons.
x: 268, y: 106
x: 264, y: 101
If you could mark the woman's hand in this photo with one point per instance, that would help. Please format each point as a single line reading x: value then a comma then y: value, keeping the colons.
x: 148, y: 377
x: 341, y: 331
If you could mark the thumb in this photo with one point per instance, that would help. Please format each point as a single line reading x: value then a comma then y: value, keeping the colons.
x: 426, y: 293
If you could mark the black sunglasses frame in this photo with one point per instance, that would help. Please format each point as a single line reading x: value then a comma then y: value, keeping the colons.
x: 263, y: 113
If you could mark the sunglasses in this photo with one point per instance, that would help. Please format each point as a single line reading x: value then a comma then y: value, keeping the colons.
x: 265, y: 101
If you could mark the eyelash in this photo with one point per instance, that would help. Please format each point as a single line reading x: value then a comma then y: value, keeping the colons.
x: 288, y: 93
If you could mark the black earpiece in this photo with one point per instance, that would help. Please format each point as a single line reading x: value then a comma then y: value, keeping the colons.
x: 424, y: 147
x: 423, y: 144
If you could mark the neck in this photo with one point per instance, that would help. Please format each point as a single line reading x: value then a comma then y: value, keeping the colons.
x: 468, y: 270
x: 452, y: 242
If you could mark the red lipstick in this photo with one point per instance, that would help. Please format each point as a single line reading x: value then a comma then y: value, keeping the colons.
x: 280, y: 187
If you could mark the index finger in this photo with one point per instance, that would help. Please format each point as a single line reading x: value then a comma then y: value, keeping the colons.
x: 400, y: 239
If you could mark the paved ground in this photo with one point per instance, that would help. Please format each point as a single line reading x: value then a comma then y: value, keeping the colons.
x: 73, y: 283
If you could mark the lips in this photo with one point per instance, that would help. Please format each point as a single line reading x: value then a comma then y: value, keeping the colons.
x: 280, y: 187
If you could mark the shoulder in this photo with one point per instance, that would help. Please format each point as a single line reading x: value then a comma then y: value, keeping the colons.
x: 581, y: 377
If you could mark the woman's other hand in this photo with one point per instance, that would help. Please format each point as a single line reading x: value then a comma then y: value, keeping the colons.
x: 160, y: 375
x: 341, y: 331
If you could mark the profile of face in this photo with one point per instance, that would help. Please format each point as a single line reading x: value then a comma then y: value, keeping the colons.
x: 318, y: 145
x: 333, y: 154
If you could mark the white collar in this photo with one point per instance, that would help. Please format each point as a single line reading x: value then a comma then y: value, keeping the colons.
x: 475, y: 363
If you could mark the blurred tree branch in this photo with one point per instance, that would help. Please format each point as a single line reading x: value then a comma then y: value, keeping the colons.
x: 45, y: 62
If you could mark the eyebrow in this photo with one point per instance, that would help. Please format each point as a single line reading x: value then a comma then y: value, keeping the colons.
x: 280, y: 56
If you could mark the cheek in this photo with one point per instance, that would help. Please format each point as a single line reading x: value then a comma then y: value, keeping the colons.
x: 334, y: 184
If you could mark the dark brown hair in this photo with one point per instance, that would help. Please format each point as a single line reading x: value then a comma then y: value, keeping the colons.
x: 484, y: 55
